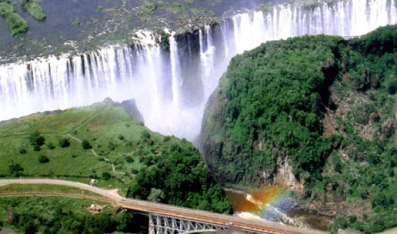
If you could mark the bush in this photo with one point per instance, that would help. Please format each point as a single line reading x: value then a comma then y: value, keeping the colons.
x: 86, y: 144
x: 75, y: 21
x: 15, y: 169
x: 145, y: 135
x: 106, y: 175
x: 22, y: 151
x: 50, y: 146
x: 16, y: 24
x: 129, y: 159
x: 43, y: 159
x: 34, y: 8
x: 64, y: 142
x: 6, y: 8
x: 36, y: 148
x: 111, y: 146
x: 36, y: 140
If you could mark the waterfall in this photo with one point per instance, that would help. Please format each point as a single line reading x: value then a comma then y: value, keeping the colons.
x: 175, y: 65
x: 171, y: 86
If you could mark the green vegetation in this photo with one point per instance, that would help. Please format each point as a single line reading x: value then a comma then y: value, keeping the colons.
x: 164, y: 40
x: 324, y: 104
x: 180, y: 179
x: 106, y: 144
x: 43, y: 159
x: 43, y: 188
x: 16, y: 23
x: 15, y: 169
x: 36, y: 140
x: 86, y: 144
x: 64, y: 215
x: 34, y: 8
x: 75, y: 21
x: 149, y: 9
x: 64, y: 142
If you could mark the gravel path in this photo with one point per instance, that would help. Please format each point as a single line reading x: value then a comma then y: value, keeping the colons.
x: 112, y: 194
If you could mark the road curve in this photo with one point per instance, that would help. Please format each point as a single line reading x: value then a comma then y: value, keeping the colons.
x: 112, y: 194
x: 160, y: 209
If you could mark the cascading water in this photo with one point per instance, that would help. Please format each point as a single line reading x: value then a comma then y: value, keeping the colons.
x: 171, y: 87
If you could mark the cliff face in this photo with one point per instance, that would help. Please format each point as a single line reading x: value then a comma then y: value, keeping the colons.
x: 267, y: 98
x: 316, y: 114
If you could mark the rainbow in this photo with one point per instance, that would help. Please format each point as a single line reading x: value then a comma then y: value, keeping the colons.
x: 258, y: 201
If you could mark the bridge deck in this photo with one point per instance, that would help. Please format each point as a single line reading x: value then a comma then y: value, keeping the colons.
x: 210, y: 217
x: 232, y: 222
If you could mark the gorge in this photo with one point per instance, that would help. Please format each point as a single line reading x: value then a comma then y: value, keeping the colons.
x: 310, y: 118
x: 171, y: 85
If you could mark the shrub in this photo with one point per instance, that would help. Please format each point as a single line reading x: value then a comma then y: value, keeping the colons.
x: 34, y: 8
x: 129, y: 159
x: 64, y: 142
x: 22, y: 151
x: 111, y: 146
x: 15, y: 169
x: 75, y: 21
x: 16, y: 24
x: 86, y: 144
x: 392, y: 88
x: 36, y: 148
x: 106, y: 175
x: 36, y: 140
x: 43, y: 159
x: 145, y: 135
x: 50, y: 146
x: 5, y: 8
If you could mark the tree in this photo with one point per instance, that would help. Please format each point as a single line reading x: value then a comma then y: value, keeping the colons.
x: 50, y: 146
x: 64, y: 142
x: 86, y: 144
x: 106, y: 175
x: 15, y: 169
x: 156, y: 195
x: 36, y: 140
x: 43, y: 159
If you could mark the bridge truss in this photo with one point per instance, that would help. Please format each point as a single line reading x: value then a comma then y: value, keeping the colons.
x: 159, y: 224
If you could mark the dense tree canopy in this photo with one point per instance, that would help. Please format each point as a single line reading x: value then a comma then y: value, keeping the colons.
x: 324, y: 104
x: 180, y: 178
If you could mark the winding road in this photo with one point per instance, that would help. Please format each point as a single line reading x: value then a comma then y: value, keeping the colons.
x: 154, y: 208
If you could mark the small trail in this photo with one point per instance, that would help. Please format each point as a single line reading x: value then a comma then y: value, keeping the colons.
x: 98, y: 156
x: 5, y: 134
x: 84, y: 122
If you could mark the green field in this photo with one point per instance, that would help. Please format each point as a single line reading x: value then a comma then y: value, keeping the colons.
x: 104, y: 143
x: 115, y: 137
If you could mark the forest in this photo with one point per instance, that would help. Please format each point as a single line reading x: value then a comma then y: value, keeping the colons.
x: 327, y: 106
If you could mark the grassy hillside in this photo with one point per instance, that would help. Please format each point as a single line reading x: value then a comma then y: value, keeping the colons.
x: 103, y: 142
x: 314, y: 111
